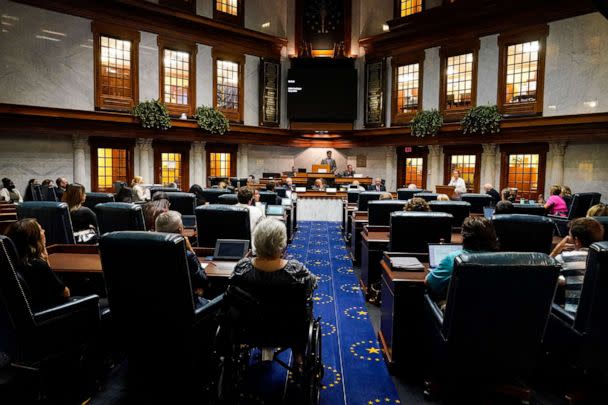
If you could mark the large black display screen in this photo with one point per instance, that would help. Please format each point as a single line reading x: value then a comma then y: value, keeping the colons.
x: 322, y: 94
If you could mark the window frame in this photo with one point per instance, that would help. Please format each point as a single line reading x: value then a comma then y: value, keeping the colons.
x: 181, y: 46
x: 166, y: 147
x: 526, y: 149
x: 234, y: 116
x: 417, y: 152
x: 179, y: 5
x: 96, y: 143
x: 221, y: 148
x: 397, y: 9
x: 538, y: 33
x: 449, y: 151
x: 238, y: 20
x: 113, y: 103
x: 446, y: 52
x: 398, y: 118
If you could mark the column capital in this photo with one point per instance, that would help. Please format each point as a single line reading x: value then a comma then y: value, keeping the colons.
x: 144, y: 144
x: 80, y: 141
x: 435, y: 150
x: 490, y: 148
x: 558, y: 148
x: 198, y: 146
x: 390, y: 151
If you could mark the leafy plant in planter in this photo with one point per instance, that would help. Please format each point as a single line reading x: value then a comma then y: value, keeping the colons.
x: 481, y: 120
x: 153, y: 114
x: 426, y: 123
x: 212, y: 120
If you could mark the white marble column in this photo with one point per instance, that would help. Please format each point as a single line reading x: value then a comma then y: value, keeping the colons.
x: 488, y: 165
x: 145, y: 170
x: 557, y: 150
x: 390, y: 176
x: 242, y: 157
x: 434, y: 167
x: 198, y: 164
x: 79, y: 144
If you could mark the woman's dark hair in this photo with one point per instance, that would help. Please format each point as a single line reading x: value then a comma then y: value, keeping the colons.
x: 556, y: 190
x: 27, y: 238
x: 504, y: 207
x: 566, y: 191
x: 47, y: 182
x: 160, y: 195
x: 73, y: 196
x: 198, y: 192
x: 28, y: 195
x: 270, y: 186
x: 417, y: 204
x: 152, y: 209
x: 478, y: 234
x: 587, y: 230
x: 6, y: 183
x: 507, y: 194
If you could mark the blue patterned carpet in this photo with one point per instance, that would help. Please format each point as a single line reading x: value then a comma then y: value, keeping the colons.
x: 355, y: 372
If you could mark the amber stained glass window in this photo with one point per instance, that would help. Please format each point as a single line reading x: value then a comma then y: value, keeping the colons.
x: 227, y: 85
x: 176, y: 76
x: 219, y: 164
x: 171, y: 168
x: 459, y: 80
x: 523, y: 174
x: 227, y: 6
x: 111, y: 167
x: 522, y: 72
x: 408, y: 7
x: 414, y: 171
x: 407, y: 88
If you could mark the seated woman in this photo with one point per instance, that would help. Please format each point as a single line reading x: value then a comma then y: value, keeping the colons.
x: 140, y: 193
x: 566, y: 194
x: 417, y: 204
x: 9, y: 192
x: 269, y: 268
x: 356, y: 185
x: 83, y: 218
x: 555, y: 204
x: 504, y: 207
x: 443, y: 197
x: 386, y: 196
x: 598, y: 210
x: 198, y: 192
x: 506, y: 194
x: 153, y: 208
x: 478, y: 235
x: 45, y: 288
x: 28, y: 195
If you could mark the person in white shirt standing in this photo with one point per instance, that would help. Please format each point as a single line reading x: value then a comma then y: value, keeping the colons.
x: 458, y: 183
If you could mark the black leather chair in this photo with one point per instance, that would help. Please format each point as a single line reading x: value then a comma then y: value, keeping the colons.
x: 428, y: 197
x: 581, y: 202
x: 497, y: 308
x: 459, y: 210
x: 53, y: 217
x: 524, y: 233
x: 270, y: 198
x: 36, y: 339
x: 477, y: 201
x: 119, y: 185
x: 228, y: 199
x: 211, y: 195
x: 603, y: 221
x: 535, y: 209
x: 118, y: 216
x: 160, y: 328
x: 379, y: 212
x: 237, y: 182
x: 281, y: 191
x: 219, y: 221
x: 353, y: 196
x: 365, y: 197
x: 406, y: 193
x: 214, y: 181
x: 48, y: 193
x: 184, y: 203
x: 37, y: 192
x: 97, y: 198
x: 412, y: 231
x: 158, y: 189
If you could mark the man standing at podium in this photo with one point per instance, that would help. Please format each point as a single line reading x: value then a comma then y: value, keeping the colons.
x: 329, y: 161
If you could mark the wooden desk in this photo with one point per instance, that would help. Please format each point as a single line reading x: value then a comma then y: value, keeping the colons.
x: 320, y: 206
x: 8, y: 216
x: 343, y: 181
x: 358, y: 220
x: 4, y: 224
x: 401, y: 331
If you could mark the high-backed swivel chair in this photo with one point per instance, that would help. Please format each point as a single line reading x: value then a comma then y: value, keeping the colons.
x: 118, y: 216
x: 459, y: 210
x: 53, y: 217
x: 211, y: 195
x: 412, y: 231
x: 581, y: 202
x: 406, y: 193
x: 365, y: 197
x: 524, y: 233
x: 426, y: 196
x: 184, y: 203
x: 352, y: 196
x: 477, y: 201
x: 219, y: 221
x: 97, y: 198
x: 270, y: 197
x: 380, y: 211
x: 228, y: 199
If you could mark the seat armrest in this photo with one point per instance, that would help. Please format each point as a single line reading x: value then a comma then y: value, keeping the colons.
x: 434, y: 310
x: 70, y: 308
x: 558, y: 217
x: 561, y: 314
x: 210, y: 309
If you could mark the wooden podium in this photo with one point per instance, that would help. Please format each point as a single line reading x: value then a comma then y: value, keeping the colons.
x: 324, y: 168
x: 447, y: 190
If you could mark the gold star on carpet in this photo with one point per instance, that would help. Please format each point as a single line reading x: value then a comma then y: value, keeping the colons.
x: 373, y: 350
x: 362, y: 313
x: 316, y: 298
x: 356, y: 288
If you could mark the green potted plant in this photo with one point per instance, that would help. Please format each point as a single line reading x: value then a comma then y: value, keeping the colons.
x: 153, y: 114
x: 426, y: 123
x: 212, y: 120
x: 484, y: 119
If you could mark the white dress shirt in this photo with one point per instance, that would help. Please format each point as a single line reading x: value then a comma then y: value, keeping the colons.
x: 459, y: 184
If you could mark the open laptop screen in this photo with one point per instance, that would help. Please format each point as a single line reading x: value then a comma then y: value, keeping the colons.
x: 488, y: 212
x: 230, y: 249
x: 275, y: 210
x: 438, y: 252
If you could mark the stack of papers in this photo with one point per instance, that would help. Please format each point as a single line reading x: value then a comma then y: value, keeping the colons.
x: 406, y: 264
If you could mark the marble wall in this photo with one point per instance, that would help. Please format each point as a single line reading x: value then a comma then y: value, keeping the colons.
x: 487, y: 77
x: 204, y: 76
x: 148, y: 67
x: 430, y: 79
x: 373, y: 14
x: 251, y: 110
x: 586, y: 168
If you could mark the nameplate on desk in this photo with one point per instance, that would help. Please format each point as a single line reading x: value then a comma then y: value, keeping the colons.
x: 406, y: 264
x: 331, y: 190
x: 300, y: 189
x: 321, y: 170
x: 358, y: 176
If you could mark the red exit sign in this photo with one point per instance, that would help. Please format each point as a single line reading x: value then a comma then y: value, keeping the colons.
x: 407, y: 149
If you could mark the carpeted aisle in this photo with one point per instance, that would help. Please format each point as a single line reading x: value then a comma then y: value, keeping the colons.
x: 355, y: 372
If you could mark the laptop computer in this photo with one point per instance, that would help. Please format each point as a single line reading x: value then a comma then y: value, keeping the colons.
x: 488, y: 212
x: 275, y: 210
x: 286, y: 201
x: 438, y: 252
x: 230, y: 249
x: 189, y: 221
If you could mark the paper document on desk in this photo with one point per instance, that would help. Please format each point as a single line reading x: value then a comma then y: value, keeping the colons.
x: 204, y: 265
x: 406, y: 264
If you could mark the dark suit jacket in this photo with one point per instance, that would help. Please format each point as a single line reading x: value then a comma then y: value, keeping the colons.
x: 494, y: 194
x: 372, y: 187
